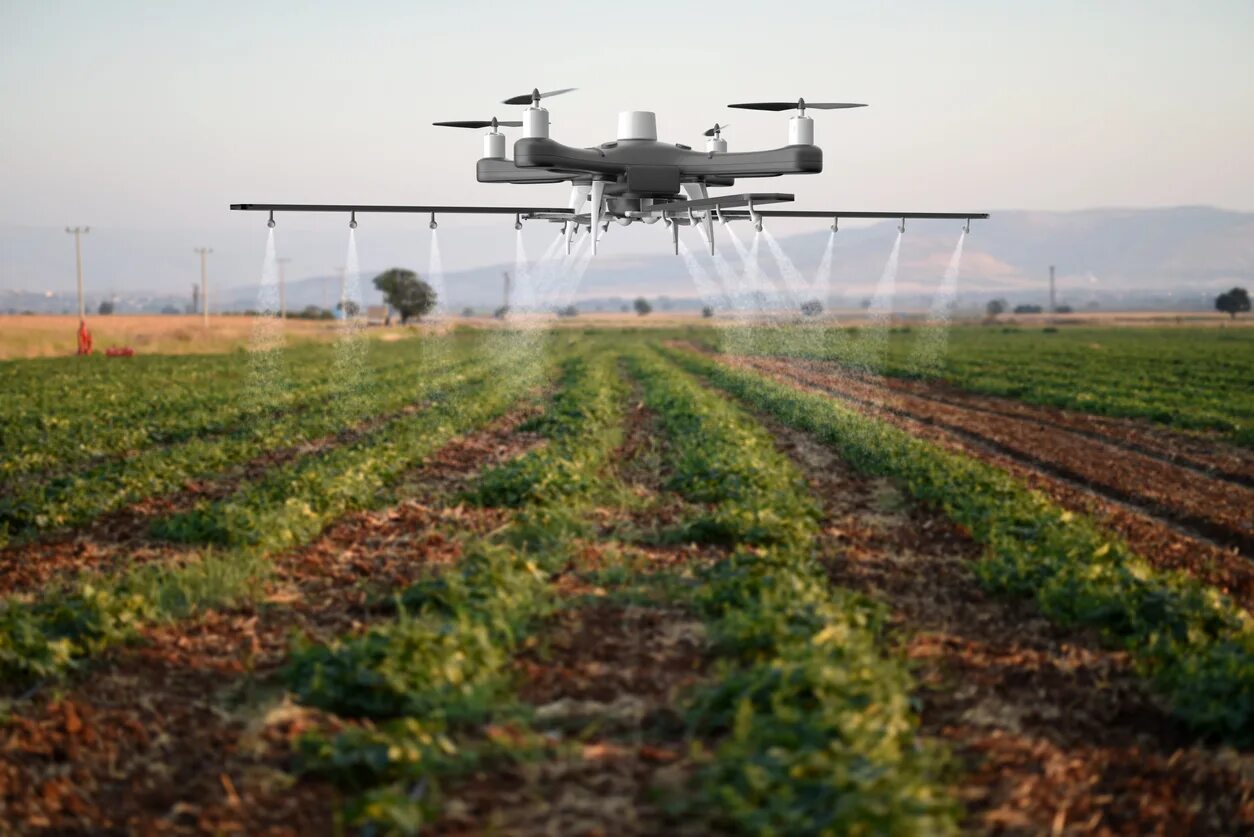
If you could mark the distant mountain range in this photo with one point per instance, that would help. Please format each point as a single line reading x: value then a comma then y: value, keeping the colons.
x: 1171, y: 257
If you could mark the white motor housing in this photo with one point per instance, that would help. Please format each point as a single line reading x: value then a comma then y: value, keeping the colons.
x: 637, y: 125
x: 536, y: 123
x: 494, y: 145
x: 801, y: 131
x: 715, y: 144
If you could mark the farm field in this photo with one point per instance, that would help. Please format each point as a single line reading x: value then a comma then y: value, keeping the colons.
x: 680, y: 580
x: 53, y: 335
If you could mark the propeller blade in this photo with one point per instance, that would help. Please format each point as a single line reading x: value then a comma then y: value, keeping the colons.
x: 477, y: 123
x: 712, y: 131
x: 527, y: 98
x: 791, y: 105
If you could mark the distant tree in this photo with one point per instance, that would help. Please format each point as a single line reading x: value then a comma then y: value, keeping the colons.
x: 501, y: 313
x: 404, y: 291
x: 349, y: 307
x: 468, y: 311
x: 642, y: 306
x: 812, y: 308
x: 866, y: 303
x: 170, y: 309
x: 707, y: 311
x: 106, y: 307
x: 1233, y: 302
x: 995, y: 307
x: 568, y: 311
x: 1026, y: 309
x: 1063, y: 309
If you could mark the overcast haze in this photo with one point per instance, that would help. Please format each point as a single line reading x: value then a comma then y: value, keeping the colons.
x: 156, y: 115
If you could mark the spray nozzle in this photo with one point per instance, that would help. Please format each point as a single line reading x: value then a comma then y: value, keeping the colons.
x: 517, y: 222
x: 433, y: 225
x: 270, y: 223
x: 836, y: 224
x: 967, y: 227
x: 352, y: 220
x: 902, y: 228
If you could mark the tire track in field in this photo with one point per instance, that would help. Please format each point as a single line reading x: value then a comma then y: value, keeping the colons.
x: 1054, y: 733
x: 180, y: 734
x: 1162, y: 542
x: 1217, y: 510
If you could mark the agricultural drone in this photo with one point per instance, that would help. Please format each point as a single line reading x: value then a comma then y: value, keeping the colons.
x: 635, y: 178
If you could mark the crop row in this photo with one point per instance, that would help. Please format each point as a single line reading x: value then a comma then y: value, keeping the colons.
x: 55, y: 425
x: 1190, y: 378
x: 1193, y: 644
x: 814, y: 722
x: 78, y: 497
x: 441, y: 666
x: 45, y: 636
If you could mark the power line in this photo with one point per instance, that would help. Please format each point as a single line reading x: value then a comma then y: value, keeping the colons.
x: 78, y: 233
x: 204, y: 282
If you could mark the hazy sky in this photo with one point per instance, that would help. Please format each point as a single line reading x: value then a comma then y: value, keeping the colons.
x: 158, y: 114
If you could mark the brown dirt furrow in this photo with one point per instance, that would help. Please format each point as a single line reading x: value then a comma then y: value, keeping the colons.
x: 121, y: 538
x: 1219, y: 510
x: 188, y: 732
x: 604, y: 679
x: 1207, y: 453
x: 1052, y: 732
x: 1161, y: 542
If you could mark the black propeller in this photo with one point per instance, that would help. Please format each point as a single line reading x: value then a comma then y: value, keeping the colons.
x: 800, y: 104
x: 535, y: 96
x: 714, y: 132
x: 478, y: 123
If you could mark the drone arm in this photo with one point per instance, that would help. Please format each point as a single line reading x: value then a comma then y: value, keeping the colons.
x: 818, y: 213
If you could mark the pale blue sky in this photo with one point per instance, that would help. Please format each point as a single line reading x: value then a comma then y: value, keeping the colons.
x: 159, y: 114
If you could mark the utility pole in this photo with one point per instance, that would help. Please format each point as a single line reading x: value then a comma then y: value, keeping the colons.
x: 204, y: 282
x: 78, y: 233
x: 282, y: 289
x: 1053, y: 309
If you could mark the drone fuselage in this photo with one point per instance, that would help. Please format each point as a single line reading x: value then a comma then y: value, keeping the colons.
x: 633, y: 170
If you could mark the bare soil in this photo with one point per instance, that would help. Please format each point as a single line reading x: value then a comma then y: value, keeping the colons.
x: 1175, y: 516
x: 1053, y: 733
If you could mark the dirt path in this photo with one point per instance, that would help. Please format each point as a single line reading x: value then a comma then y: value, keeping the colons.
x: 1068, y: 468
x: 1053, y: 733
x: 184, y: 732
